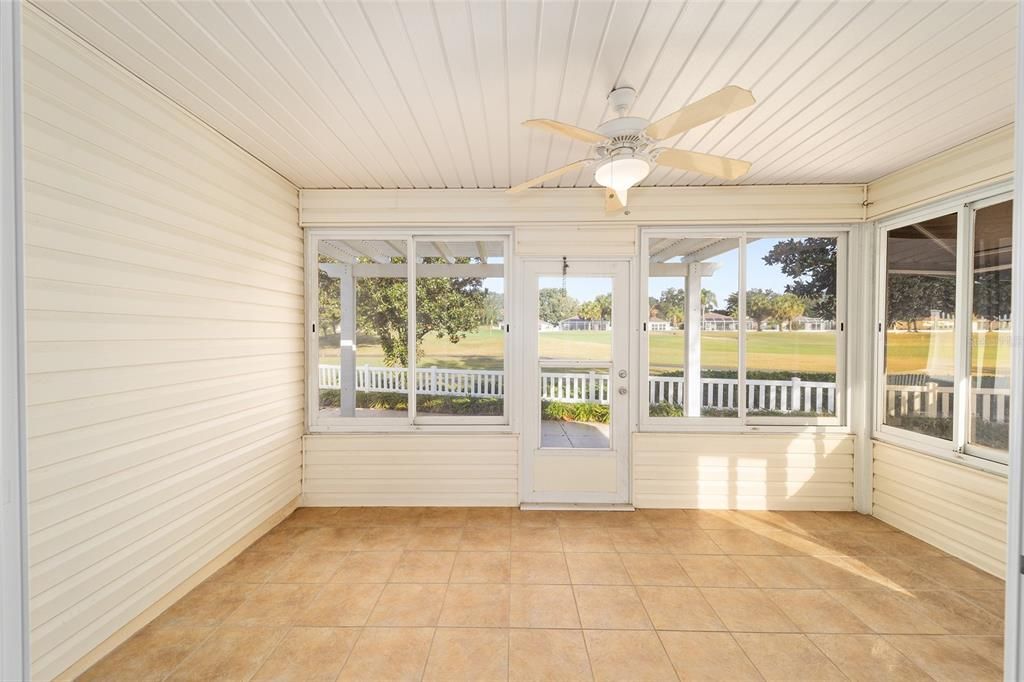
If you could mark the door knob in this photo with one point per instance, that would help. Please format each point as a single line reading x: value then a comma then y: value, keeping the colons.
x: 622, y: 374
x: 622, y: 390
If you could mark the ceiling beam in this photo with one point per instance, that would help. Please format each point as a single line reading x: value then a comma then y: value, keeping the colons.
x: 445, y: 252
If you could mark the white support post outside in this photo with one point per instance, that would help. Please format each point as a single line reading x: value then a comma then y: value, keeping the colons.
x: 694, y: 322
x: 347, y: 340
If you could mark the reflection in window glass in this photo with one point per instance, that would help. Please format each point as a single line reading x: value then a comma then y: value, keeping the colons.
x: 990, y: 333
x: 460, y: 328
x: 791, y: 340
x: 575, y: 407
x: 920, y: 326
x: 575, y: 321
x: 693, y: 312
x: 361, y: 328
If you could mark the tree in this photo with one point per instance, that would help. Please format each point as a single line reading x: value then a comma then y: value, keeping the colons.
x: 604, y: 303
x: 555, y: 305
x: 492, y: 310
x: 759, y: 305
x: 330, y: 301
x: 786, y: 308
x: 674, y: 315
x: 910, y: 298
x: 449, y: 307
x: 811, y: 265
x: 672, y: 297
x: 591, y: 310
x: 708, y: 300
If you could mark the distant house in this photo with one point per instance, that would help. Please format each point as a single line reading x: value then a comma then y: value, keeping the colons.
x: 578, y: 324
x: 717, y: 322
x: 543, y: 326
x: 656, y: 325
x: 813, y: 324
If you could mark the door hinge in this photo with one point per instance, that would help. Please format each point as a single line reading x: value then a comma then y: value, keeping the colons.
x: 1021, y: 565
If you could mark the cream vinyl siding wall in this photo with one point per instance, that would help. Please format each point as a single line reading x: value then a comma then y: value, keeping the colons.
x: 472, y: 469
x: 982, y: 161
x: 165, y: 344
x: 959, y: 510
x: 743, y: 471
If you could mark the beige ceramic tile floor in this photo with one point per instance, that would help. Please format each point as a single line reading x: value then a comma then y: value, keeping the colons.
x: 495, y: 594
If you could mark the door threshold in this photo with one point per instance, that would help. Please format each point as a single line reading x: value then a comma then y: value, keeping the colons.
x: 575, y: 506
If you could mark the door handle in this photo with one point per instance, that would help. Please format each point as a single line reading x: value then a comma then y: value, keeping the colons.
x: 622, y: 390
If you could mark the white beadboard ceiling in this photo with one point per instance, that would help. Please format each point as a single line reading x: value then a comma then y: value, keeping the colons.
x: 420, y: 93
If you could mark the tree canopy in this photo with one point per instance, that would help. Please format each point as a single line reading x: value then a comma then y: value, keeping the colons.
x: 811, y: 265
x: 555, y: 305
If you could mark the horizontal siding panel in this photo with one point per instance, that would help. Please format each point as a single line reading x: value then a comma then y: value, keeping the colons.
x: 387, y: 458
x: 958, y: 509
x: 425, y: 470
x: 750, y: 474
x: 423, y: 444
x: 712, y: 444
x: 418, y: 499
x: 789, y: 204
x: 98, y: 300
x: 752, y: 503
x: 115, y: 382
x: 53, y: 264
x: 743, y: 471
x: 165, y: 347
x: 411, y: 469
x: 549, y: 240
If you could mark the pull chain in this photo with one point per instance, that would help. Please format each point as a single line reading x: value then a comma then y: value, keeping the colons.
x: 565, y: 269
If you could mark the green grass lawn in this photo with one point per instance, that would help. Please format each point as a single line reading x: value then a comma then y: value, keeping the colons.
x: 798, y: 351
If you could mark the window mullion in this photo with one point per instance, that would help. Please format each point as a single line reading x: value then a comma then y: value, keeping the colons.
x: 741, y: 375
x: 411, y: 347
x: 962, y: 327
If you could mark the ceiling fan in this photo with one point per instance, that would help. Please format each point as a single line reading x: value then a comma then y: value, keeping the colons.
x: 624, y: 147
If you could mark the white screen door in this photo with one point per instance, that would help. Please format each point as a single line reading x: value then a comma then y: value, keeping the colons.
x: 576, y: 387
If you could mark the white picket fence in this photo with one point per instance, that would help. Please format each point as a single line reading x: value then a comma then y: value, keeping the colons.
x: 935, y: 401
x: 793, y: 395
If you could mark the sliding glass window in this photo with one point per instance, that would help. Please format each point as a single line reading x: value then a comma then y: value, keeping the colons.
x: 389, y: 355
x: 754, y: 317
x: 944, y: 327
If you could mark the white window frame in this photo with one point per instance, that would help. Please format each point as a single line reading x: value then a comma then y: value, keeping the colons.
x: 742, y: 422
x: 411, y: 422
x: 957, y: 449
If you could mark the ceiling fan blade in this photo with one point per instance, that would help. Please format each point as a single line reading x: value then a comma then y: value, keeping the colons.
x: 588, y: 136
x: 727, y: 100
x: 548, y: 176
x: 705, y: 164
x: 612, y: 204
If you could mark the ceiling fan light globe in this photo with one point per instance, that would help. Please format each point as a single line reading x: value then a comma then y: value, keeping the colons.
x: 620, y: 174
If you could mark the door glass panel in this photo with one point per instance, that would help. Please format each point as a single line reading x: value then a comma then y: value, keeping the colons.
x: 460, y: 328
x: 574, y: 320
x: 575, y: 407
x: 990, y: 335
x: 921, y: 326
x: 791, y: 342
x: 361, y: 328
